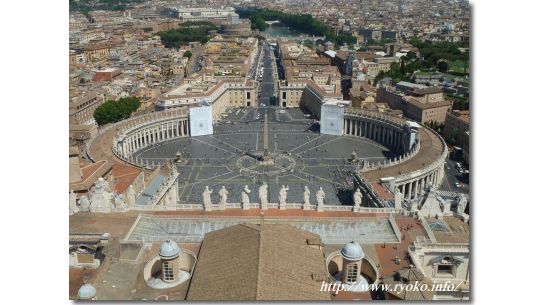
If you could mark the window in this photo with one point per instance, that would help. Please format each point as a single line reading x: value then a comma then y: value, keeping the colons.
x: 248, y: 95
x: 444, y: 269
x: 351, y: 274
x: 284, y: 95
x: 168, y: 271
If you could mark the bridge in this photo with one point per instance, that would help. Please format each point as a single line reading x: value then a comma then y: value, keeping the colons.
x: 301, y: 38
x: 271, y: 22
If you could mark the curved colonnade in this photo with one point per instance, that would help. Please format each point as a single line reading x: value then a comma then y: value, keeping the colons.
x: 140, y: 133
x: 411, y: 172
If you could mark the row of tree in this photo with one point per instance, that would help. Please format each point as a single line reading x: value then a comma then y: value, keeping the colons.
x: 115, y: 111
x: 303, y: 23
x: 187, y: 33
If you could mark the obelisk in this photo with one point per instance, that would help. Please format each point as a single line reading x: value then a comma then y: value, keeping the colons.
x: 265, y: 137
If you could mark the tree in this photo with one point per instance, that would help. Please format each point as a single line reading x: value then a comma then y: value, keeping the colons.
x: 114, y: 111
x: 187, y: 54
x: 257, y: 22
x: 188, y: 32
x: 442, y: 65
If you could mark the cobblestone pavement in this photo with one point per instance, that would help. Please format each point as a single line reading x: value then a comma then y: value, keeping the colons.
x: 303, y: 157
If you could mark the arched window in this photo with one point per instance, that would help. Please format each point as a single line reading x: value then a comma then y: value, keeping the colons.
x: 168, y: 271
x: 352, y: 273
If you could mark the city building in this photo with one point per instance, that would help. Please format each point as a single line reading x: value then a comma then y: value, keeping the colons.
x: 457, y: 124
x: 81, y: 107
x: 419, y: 103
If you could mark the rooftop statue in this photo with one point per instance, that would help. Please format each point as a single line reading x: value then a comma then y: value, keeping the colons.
x: 206, y: 196
x: 306, y: 195
x: 245, y: 200
x: 283, y: 194
x: 320, y: 196
x: 223, y: 193
x: 262, y: 193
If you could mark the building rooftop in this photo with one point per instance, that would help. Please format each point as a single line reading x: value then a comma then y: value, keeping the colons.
x: 258, y: 262
x: 449, y: 230
x: 427, y: 105
x: 124, y: 176
x: 150, y: 190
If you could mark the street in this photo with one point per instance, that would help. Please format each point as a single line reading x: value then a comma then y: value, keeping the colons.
x: 267, y: 84
x: 451, y: 177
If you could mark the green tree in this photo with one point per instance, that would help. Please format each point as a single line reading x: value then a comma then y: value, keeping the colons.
x: 188, y: 32
x: 187, y: 54
x: 114, y: 111
x: 442, y: 65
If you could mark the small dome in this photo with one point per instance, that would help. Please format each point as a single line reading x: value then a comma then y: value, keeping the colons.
x: 352, y: 251
x: 169, y: 249
x: 86, y: 292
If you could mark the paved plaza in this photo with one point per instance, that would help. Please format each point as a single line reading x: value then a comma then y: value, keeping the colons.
x: 367, y: 230
x: 302, y: 157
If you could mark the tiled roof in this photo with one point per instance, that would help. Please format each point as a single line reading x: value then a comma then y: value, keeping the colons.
x: 124, y: 176
x: 409, y: 276
x: 253, y: 262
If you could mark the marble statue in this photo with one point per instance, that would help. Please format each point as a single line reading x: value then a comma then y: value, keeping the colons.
x: 223, y: 193
x: 206, y: 196
x: 101, y: 199
x: 73, y: 208
x: 320, y: 196
x: 84, y: 203
x: 306, y: 195
x: 262, y: 193
x: 131, y: 197
x: 282, y: 195
x: 357, y: 200
x: 462, y: 204
x: 119, y: 203
x: 244, y: 197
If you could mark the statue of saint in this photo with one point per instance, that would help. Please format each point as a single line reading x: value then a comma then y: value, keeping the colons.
x: 244, y: 195
x: 320, y: 196
x: 206, y: 196
x: 283, y: 194
x: 223, y: 193
x: 84, y: 203
x: 262, y: 193
x: 119, y: 202
x: 306, y: 195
